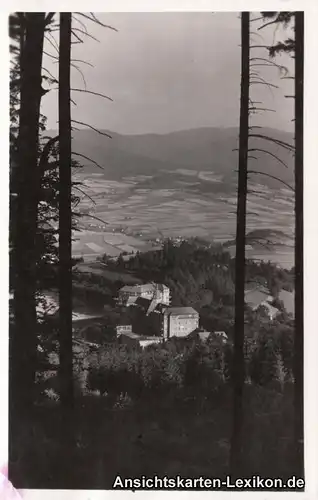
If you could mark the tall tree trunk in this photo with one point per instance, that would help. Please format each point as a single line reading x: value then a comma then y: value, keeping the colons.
x: 299, y: 285
x: 23, y: 340
x: 22, y: 36
x: 238, y: 361
x: 65, y: 214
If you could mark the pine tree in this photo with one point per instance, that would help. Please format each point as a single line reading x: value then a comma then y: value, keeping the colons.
x: 299, y: 239
x: 238, y: 361
x: 26, y: 171
x: 65, y: 213
x: 295, y: 47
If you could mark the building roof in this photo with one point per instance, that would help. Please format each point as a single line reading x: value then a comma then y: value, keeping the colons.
x: 288, y: 298
x: 131, y: 335
x: 160, y: 308
x: 123, y: 326
x: 77, y: 316
x: 146, y: 341
x: 155, y: 338
x: 180, y: 311
x: 161, y: 287
x: 256, y: 296
x: 152, y: 306
x: 272, y: 311
x: 203, y: 335
x: 144, y: 288
x: 142, y: 302
x: 220, y: 333
x: 128, y: 288
x: 147, y: 288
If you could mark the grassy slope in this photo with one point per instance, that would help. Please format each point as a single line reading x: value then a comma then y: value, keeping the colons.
x: 159, y: 438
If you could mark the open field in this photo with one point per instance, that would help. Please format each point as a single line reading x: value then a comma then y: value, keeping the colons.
x: 129, y: 218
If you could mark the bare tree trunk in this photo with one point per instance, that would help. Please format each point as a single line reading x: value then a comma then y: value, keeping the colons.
x: 238, y: 361
x: 23, y: 342
x: 299, y: 285
x: 65, y: 214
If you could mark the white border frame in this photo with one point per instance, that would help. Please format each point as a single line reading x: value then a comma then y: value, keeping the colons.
x: 310, y: 223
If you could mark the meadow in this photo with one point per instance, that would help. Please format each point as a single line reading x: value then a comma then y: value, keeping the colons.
x: 126, y: 216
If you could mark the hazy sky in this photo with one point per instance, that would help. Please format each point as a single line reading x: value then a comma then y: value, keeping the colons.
x: 169, y: 71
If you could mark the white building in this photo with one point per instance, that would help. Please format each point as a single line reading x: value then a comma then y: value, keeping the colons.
x: 128, y: 294
x: 179, y: 321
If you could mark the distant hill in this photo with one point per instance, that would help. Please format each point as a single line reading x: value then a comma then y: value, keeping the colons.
x: 166, y: 156
x: 265, y: 238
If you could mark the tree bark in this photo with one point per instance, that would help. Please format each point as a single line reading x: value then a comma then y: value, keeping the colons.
x: 65, y: 214
x: 299, y: 235
x: 23, y: 334
x: 238, y: 361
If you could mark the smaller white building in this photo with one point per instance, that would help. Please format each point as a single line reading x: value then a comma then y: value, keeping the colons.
x: 158, y: 292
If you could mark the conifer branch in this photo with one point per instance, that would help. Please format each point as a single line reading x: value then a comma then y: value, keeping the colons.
x: 79, y: 40
x: 89, y: 92
x: 83, y: 62
x: 261, y: 81
x: 283, y: 144
x: 267, y: 24
x: 259, y: 194
x: 51, y: 75
x: 272, y: 177
x: 254, y: 102
x: 50, y: 55
x: 269, y: 153
x: 254, y: 33
x: 72, y: 60
x: 80, y: 214
x: 257, y: 19
x: 267, y: 62
x: 254, y: 108
x: 46, y: 152
x: 83, y: 192
x: 85, y: 33
x: 93, y: 93
x: 49, y: 18
x: 281, y: 17
x: 87, y: 158
x: 260, y: 47
x: 94, y: 19
x: 50, y: 38
x: 81, y: 23
x: 93, y: 128
x: 81, y: 73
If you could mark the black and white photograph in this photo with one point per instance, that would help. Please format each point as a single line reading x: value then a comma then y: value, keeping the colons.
x: 156, y: 262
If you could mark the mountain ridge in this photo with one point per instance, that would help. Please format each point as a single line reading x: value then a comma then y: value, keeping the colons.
x: 212, y: 149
